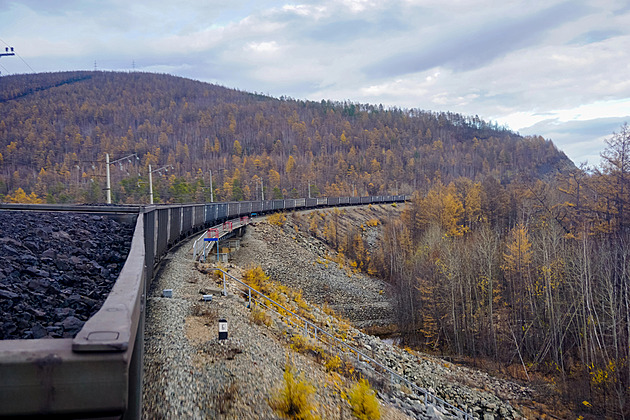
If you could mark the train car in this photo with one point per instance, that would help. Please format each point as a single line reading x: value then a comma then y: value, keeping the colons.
x: 277, y: 204
x: 256, y: 207
x: 211, y: 214
x: 310, y: 202
x: 355, y: 200
x: 222, y: 211
x: 187, y: 221
x: 300, y: 203
x: 199, y: 215
x: 232, y: 209
x: 175, y: 224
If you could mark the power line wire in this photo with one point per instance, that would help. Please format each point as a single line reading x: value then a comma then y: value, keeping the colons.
x: 24, y: 61
x: 18, y: 55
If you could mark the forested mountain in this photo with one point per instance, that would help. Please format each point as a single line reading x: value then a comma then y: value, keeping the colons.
x: 55, y: 129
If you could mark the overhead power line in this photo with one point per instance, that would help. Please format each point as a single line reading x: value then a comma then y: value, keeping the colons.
x: 24, y: 61
x: 10, y: 51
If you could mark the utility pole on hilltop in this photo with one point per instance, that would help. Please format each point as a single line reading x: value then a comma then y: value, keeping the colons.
x: 8, y: 51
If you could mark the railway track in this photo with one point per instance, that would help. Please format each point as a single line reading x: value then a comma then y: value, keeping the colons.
x: 99, y: 372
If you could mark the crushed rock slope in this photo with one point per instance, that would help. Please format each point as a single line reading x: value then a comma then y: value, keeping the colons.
x: 191, y: 374
x: 303, y: 262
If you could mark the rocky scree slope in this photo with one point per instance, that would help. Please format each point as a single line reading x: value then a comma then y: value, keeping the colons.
x: 306, y: 263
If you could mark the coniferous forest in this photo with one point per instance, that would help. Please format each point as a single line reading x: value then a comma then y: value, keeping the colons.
x: 55, y: 129
x: 507, y: 253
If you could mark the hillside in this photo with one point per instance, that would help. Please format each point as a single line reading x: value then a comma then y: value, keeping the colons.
x: 189, y: 373
x: 55, y: 129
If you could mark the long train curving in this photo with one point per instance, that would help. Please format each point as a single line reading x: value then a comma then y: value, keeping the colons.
x: 99, y: 372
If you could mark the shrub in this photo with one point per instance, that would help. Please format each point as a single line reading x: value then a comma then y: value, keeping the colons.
x: 333, y: 364
x: 217, y: 274
x: 277, y: 219
x: 256, y: 278
x: 363, y: 401
x: 294, y: 401
x: 260, y: 317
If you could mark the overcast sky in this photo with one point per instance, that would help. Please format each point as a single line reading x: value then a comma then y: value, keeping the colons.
x: 559, y: 69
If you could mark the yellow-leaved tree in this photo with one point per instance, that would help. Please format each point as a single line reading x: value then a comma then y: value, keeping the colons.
x: 363, y: 401
x: 518, y: 255
x: 237, y: 149
x: 19, y: 196
x: 517, y: 260
x: 441, y: 207
x: 290, y: 166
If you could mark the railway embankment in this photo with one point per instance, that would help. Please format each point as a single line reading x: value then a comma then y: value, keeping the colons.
x: 306, y: 263
x: 190, y: 373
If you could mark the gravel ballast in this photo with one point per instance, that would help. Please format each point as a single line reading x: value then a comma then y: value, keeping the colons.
x: 56, y: 270
x: 190, y: 373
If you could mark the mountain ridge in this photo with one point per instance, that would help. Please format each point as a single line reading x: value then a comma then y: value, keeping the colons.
x: 55, y: 129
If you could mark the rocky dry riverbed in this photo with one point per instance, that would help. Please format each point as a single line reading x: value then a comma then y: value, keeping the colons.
x: 56, y: 269
x: 189, y: 373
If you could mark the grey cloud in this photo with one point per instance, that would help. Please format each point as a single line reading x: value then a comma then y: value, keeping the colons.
x: 51, y: 7
x: 578, y: 139
x: 348, y: 30
x: 338, y: 31
x: 622, y: 11
x: 472, y: 47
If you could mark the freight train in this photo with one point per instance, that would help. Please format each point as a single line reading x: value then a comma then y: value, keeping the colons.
x: 98, y: 373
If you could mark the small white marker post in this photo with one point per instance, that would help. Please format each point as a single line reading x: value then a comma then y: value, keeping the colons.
x: 223, y: 329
